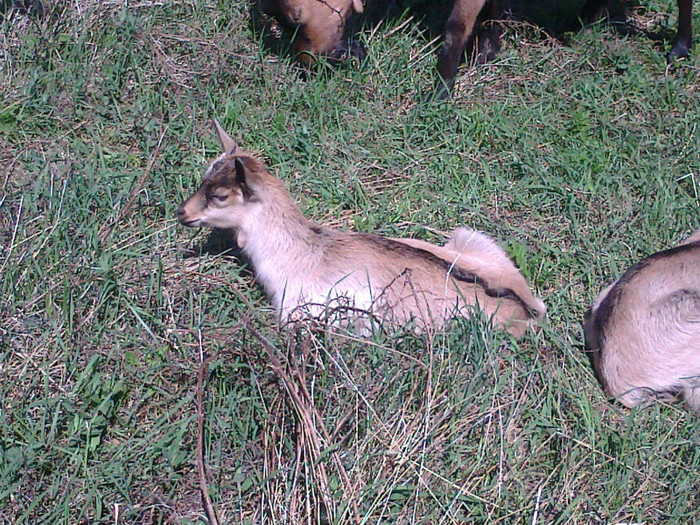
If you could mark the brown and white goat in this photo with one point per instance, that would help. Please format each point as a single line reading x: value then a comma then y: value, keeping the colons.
x: 309, y: 270
x: 644, y: 329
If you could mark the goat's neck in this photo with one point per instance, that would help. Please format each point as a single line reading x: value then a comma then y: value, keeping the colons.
x: 278, y: 240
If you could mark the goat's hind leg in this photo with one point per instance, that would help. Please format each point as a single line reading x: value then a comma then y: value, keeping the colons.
x: 488, y: 37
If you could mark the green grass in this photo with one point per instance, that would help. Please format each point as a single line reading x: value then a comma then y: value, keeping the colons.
x: 580, y: 157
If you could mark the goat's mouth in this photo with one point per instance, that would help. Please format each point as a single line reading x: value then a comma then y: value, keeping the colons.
x: 192, y: 223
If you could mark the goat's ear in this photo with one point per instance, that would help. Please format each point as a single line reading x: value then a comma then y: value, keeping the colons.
x: 241, y: 172
x: 227, y: 143
x: 247, y: 179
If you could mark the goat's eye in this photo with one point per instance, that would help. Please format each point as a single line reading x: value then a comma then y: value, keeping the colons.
x: 220, y: 198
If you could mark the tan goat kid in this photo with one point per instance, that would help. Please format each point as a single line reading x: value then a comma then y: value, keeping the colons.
x: 644, y: 329
x: 309, y: 270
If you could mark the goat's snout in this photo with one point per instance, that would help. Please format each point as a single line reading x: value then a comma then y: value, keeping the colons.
x: 181, y: 214
x: 188, y: 219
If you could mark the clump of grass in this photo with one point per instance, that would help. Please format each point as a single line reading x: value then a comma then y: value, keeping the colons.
x: 580, y: 157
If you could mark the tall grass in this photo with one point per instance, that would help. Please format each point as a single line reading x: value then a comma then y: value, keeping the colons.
x: 578, y: 151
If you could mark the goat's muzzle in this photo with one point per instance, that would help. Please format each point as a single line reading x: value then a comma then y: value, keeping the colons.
x: 182, y: 217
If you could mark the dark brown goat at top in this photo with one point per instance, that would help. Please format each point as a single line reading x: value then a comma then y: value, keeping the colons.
x: 320, y: 28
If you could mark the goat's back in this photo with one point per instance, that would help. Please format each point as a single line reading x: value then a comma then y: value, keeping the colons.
x: 644, y: 329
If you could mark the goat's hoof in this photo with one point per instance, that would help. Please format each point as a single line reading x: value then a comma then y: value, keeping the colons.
x: 679, y: 50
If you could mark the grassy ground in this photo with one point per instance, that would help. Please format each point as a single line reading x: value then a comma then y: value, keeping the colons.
x: 580, y: 153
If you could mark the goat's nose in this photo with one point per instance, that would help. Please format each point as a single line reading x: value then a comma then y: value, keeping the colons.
x: 180, y: 211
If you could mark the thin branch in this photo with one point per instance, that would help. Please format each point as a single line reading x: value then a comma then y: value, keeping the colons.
x: 304, y: 408
x: 206, y: 498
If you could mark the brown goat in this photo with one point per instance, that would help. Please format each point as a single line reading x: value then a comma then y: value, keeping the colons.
x: 320, y: 26
x: 644, y: 329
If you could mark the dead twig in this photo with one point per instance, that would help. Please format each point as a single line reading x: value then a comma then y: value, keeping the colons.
x: 307, y: 412
x: 206, y: 498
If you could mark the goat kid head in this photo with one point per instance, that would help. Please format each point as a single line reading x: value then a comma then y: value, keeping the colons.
x: 227, y: 195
